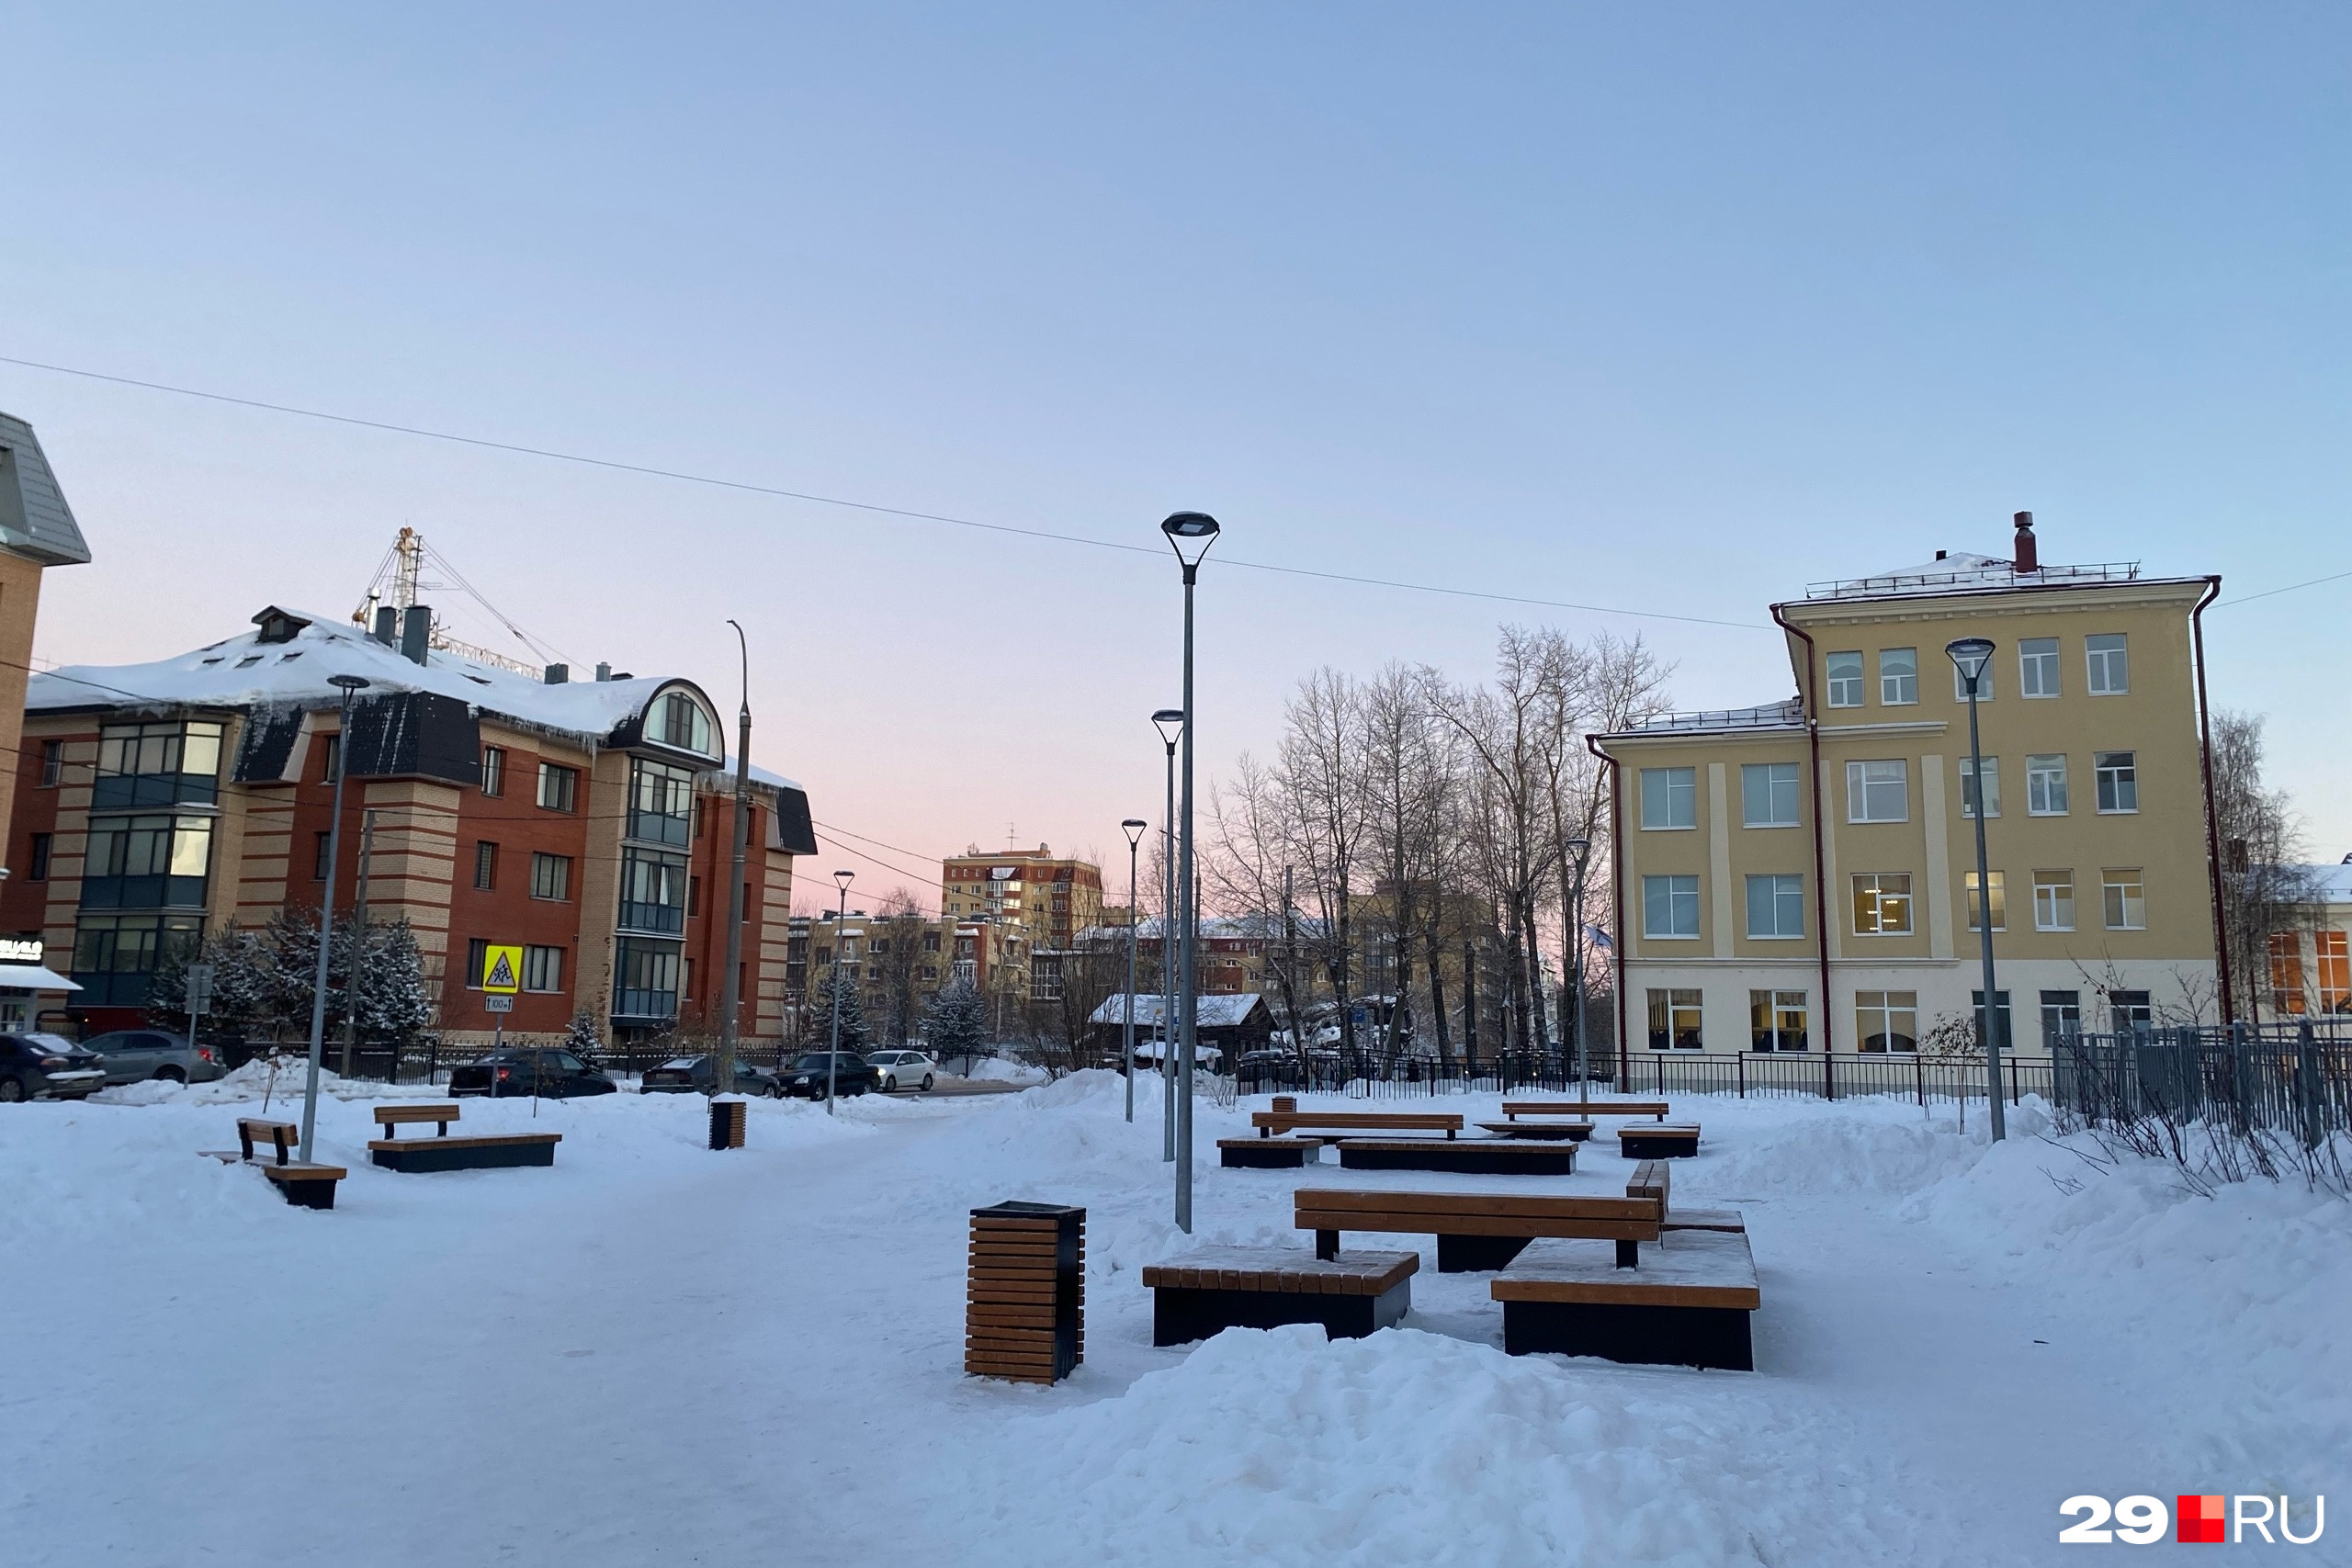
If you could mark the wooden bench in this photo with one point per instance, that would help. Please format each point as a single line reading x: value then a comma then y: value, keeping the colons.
x: 441, y: 1152
x: 1351, y: 1294
x: 1688, y: 1305
x: 1268, y: 1153
x: 1476, y: 1230
x: 1660, y: 1141
x: 1576, y: 1131
x: 304, y: 1184
x: 1269, y: 1123
x: 1515, y: 1109
x: 1655, y: 1178
x: 1475, y: 1156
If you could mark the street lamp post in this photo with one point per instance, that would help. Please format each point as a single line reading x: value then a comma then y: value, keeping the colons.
x: 1579, y: 847
x: 1133, y: 828
x: 722, y: 1069
x: 841, y: 952
x: 1196, y: 531
x: 1169, y: 722
x: 1970, y: 655
x: 346, y: 685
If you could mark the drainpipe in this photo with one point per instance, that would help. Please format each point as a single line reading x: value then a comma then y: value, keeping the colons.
x: 1809, y: 697
x: 1617, y: 902
x: 2212, y: 826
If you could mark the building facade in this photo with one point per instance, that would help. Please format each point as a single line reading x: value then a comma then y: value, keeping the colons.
x: 2311, y: 963
x: 1050, y: 899
x: 1802, y: 876
x: 588, y: 823
x: 898, y: 962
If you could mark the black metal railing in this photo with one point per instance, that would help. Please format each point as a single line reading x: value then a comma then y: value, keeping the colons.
x: 1744, y: 1076
x: 2291, y: 1079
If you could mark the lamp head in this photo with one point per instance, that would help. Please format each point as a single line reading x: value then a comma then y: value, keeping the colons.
x: 1170, y: 724
x: 1970, y: 655
x: 1133, y: 828
x: 346, y: 683
x: 1189, y: 535
x: 1577, y: 846
x: 841, y: 879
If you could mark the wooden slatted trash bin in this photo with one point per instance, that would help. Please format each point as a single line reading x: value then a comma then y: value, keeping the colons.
x: 1024, y: 1314
x: 727, y: 1123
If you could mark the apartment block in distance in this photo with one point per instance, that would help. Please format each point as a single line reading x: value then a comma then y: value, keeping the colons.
x: 590, y: 823
x: 1802, y: 876
x: 1051, y: 900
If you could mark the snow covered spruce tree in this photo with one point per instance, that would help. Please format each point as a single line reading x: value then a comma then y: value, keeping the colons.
x: 243, y: 976
x: 856, y: 1034
x: 581, y: 1039
x: 956, y: 1022
x: 394, y: 1005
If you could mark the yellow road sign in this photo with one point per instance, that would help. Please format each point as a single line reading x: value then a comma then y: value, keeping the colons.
x: 502, y: 969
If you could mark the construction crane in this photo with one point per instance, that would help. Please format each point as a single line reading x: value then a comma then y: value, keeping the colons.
x: 400, y: 577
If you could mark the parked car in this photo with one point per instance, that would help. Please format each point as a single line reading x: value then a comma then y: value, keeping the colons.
x: 690, y: 1075
x: 48, y: 1066
x: 897, y: 1068
x: 133, y: 1056
x: 554, y: 1075
x: 850, y: 1075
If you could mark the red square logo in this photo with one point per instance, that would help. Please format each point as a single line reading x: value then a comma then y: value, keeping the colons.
x: 2201, y: 1520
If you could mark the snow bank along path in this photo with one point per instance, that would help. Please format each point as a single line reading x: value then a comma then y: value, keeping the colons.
x: 653, y: 1354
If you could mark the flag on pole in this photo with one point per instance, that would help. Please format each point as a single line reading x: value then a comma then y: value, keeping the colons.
x: 1600, y: 939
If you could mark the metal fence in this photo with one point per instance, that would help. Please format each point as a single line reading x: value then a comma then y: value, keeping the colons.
x: 1745, y: 1075
x: 2294, y: 1079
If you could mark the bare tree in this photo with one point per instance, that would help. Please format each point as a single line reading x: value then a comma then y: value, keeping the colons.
x: 2265, y: 886
x: 894, y: 948
x: 1250, y: 872
x: 1320, y: 773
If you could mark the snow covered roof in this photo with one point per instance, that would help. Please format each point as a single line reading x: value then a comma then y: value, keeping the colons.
x: 1959, y: 571
x: 1213, y: 1013
x: 34, y: 519
x: 2334, y: 881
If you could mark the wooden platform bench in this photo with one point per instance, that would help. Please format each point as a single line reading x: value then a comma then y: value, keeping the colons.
x: 1688, y: 1305
x: 1268, y: 1153
x: 1660, y: 1141
x: 1476, y: 1230
x: 489, y: 1152
x: 1655, y: 1178
x: 303, y: 1183
x: 1515, y: 1109
x: 1576, y: 1132
x: 1269, y: 1123
x: 1475, y: 1156
x: 1351, y: 1294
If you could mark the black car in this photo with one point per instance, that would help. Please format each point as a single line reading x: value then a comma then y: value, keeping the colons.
x: 551, y: 1075
x: 690, y: 1075
x: 48, y: 1066
x: 852, y: 1074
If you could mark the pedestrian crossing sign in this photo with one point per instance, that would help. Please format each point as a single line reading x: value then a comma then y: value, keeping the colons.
x: 502, y: 969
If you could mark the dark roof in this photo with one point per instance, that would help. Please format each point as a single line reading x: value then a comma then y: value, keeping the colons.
x: 34, y: 519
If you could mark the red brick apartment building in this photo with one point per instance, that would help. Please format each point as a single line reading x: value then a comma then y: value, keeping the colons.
x: 589, y: 822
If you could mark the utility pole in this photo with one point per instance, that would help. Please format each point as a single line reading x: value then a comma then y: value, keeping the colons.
x: 359, y: 952
x: 1133, y: 828
x: 346, y: 685
x: 1182, y: 528
x: 722, y: 1067
x: 841, y: 952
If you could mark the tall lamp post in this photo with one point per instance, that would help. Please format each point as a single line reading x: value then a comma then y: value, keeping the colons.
x: 722, y: 1069
x: 1133, y: 828
x: 1169, y: 722
x: 346, y: 685
x: 841, y: 952
x: 1194, y: 532
x: 1579, y: 847
x: 1970, y: 655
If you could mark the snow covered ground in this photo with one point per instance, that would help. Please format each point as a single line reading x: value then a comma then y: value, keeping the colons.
x: 654, y: 1354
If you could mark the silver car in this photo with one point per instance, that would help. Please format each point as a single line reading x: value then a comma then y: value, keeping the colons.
x: 903, y: 1069
x: 134, y: 1055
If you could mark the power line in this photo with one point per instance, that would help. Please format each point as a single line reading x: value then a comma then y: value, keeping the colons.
x: 873, y: 508
x: 2271, y: 593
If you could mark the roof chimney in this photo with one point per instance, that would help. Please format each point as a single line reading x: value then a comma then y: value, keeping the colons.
x: 416, y: 632
x: 558, y: 674
x: 2027, y: 559
x: 388, y: 623
x: 605, y: 672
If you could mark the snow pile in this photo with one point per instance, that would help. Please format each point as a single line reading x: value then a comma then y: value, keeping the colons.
x: 1004, y: 1069
x: 256, y: 1080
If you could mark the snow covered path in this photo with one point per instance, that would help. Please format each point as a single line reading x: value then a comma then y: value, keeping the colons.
x: 652, y: 1354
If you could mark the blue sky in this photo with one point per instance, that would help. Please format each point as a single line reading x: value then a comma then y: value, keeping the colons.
x: 1674, y: 309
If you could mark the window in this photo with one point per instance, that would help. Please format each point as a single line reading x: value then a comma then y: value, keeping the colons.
x: 2118, y: 780
x: 1887, y: 1021
x: 559, y: 786
x: 1776, y: 1020
x: 1674, y: 1021
x: 930, y: 945
x: 116, y: 956
x: 2126, y: 902
x: 493, y: 770
x: 682, y: 723
x: 477, y: 960
x: 1898, y: 676
x: 2110, y: 664
x: 52, y: 763
x: 653, y: 891
x: 320, y: 852
x: 1768, y: 794
x: 157, y: 764
x: 694, y: 896
x: 2038, y: 667
x: 1984, y: 683
x: 2331, y: 971
x: 645, y: 978
x: 1999, y: 898
x: 1968, y: 787
x: 1776, y: 907
x: 1670, y: 906
x: 661, y: 802
x: 550, y: 876
x: 485, y: 865
x: 2045, y: 784
x: 2062, y: 1015
x: 1846, y: 680
x: 2000, y: 1015
x: 2053, y: 900
x: 330, y: 759
x: 38, y: 869
x: 543, y: 969
x: 2128, y: 1012
x: 2287, y: 973
x: 1878, y: 792
x: 146, y: 862
x: 1669, y: 799
x: 1883, y: 904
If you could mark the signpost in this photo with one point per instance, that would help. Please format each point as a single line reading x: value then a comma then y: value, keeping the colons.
x: 502, y: 977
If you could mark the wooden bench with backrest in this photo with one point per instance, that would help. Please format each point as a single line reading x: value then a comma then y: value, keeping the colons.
x: 1515, y: 1109
x: 1338, y: 1123
x: 493, y: 1151
x: 1655, y: 1178
x: 304, y: 1183
x: 1478, y: 1230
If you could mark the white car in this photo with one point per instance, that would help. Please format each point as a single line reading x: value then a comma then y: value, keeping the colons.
x: 911, y: 1068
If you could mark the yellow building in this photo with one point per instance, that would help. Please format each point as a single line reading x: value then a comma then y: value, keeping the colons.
x: 1802, y: 876
x: 1050, y: 900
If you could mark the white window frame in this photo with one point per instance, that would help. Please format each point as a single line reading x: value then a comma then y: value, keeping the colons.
x: 1883, y: 1008
x: 1675, y: 895
x: 534, y: 961
x: 1668, y: 784
x: 2039, y: 774
x: 1785, y: 895
x: 2125, y: 775
x: 1751, y: 774
x: 2039, y: 663
x: 1968, y: 789
x: 2107, y: 661
x: 2123, y: 898
x: 1880, y: 895
x: 1999, y: 883
x: 1897, y: 687
x: 1678, y: 999
x: 1847, y: 683
x: 2053, y: 900
x: 1860, y: 786
x: 1778, y: 1005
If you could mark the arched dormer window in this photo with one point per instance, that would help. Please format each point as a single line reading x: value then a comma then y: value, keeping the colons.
x: 678, y: 720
